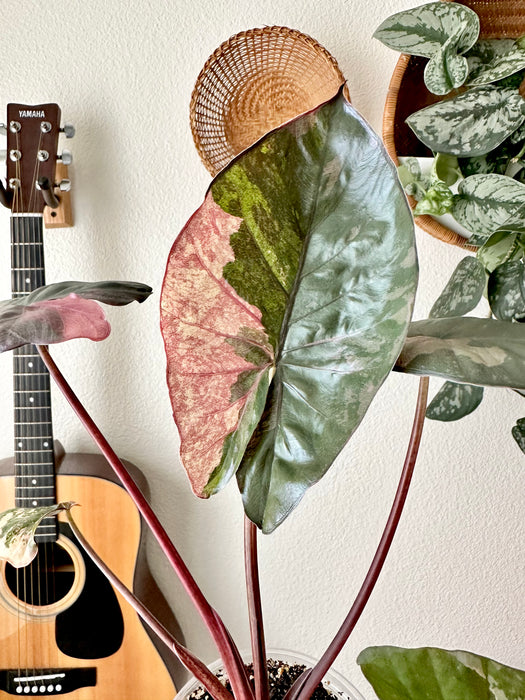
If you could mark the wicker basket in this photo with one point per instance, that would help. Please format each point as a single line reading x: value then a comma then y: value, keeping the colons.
x: 407, y: 93
x: 255, y: 81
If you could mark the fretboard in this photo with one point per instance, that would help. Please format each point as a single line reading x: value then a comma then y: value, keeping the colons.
x: 34, y: 456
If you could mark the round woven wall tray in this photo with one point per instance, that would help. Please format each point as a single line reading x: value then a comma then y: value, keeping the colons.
x: 407, y: 93
x: 255, y: 81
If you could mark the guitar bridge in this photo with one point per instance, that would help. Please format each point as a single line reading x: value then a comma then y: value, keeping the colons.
x: 48, y: 682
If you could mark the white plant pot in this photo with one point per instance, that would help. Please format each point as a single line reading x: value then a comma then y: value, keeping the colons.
x: 334, y: 682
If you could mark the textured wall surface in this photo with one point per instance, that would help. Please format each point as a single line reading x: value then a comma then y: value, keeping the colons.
x: 123, y: 73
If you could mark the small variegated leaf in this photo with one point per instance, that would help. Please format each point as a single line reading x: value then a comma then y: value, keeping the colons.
x: 501, y: 247
x: 454, y: 401
x: 471, y: 124
x: 446, y: 168
x: 494, y: 59
x: 431, y: 674
x: 17, y: 532
x: 480, y: 351
x: 486, y: 202
x: 506, y: 291
x: 437, y: 200
x: 463, y: 291
x: 518, y: 433
x: 446, y: 69
x: 423, y: 30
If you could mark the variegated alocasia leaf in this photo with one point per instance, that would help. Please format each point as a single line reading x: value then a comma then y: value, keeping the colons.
x: 490, y: 60
x: 429, y: 673
x: 463, y: 290
x: 17, y: 532
x: 479, y: 351
x: 506, y: 291
x: 454, y: 401
x: 62, y: 311
x: 471, y: 124
x: 299, y: 269
x: 486, y: 202
x: 423, y: 30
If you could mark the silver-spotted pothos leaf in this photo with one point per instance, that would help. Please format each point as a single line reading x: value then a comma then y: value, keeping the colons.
x: 506, y: 291
x: 285, y: 303
x: 454, y: 401
x: 486, y: 202
x: 504, y: 245
x: 438, y: 31
x: 17, y: 532
x: 480, y: 351
x: 428, y: 673
x: 471, y: 124
x: 63, y: 311
x: 463, y: 290
x: 490, y: 60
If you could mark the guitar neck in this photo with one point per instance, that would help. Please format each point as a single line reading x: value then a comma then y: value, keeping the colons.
x: 34, y: 456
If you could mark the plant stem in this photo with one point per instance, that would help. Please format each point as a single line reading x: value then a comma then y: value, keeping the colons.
x: 305, y: 690
x: 190, y: 661
x: 253, y: 589
x: 241, y: 687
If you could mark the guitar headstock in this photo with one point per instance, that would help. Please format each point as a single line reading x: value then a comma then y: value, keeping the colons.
x: 32, y: 145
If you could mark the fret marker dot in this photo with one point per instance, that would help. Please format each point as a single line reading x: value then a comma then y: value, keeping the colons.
x: 20, y: 444
x: 28, y: 280
x: 29, y: 364
x: 31, y: 399
x: 46, y: 444
x: 33, y: 481
x: 35, y: 503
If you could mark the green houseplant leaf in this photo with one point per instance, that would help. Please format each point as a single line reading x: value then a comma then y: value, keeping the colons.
x: 463, y: 291
x: 506, y: 291
x: 518, y: 433
x: 298, y: 269
x: 454, y: 401
x: 486, y: 202
x: 471, y: 124
x: 480, y: 351
x: 421, y: 674
x: 17, y: 532
x: 490, y: 60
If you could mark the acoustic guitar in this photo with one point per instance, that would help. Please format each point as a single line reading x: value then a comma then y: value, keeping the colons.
x: 63, y: 628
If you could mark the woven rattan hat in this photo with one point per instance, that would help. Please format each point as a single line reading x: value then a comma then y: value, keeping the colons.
x: 255, y: 81
x: 407, y: 94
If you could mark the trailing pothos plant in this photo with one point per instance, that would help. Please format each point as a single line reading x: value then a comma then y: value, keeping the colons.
x: 478, y: 139
x: 286, y: 303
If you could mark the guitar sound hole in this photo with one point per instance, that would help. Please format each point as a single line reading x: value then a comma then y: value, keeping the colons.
x: 47, y: 580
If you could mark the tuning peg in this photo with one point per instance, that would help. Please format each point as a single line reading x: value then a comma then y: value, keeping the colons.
x: 64, y: 185
x: 66, y: 157
x: 68, y: 130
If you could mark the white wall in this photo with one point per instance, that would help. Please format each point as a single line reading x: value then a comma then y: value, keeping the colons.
x: 123, y: 73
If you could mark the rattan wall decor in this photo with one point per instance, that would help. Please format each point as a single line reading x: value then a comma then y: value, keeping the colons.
x: 407, y: 93
x: 255, y: 81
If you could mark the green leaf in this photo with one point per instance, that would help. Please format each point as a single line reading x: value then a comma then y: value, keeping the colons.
x: 300, y: 267
x: 63, y: 311
x: 423, y: 30
x: 500, y: 247
x: 471, y: 124
x: 506, y: 291
x: 438, y: 200
x: 446, y: 168
x: 17, y: 531
x: 518, y: 433
x: 446, y: 70
x: 463, y: 291
x: 484, y: 352
x: 454, y: 401
x: 494, y: 59
x: 430, y: 673
x: 486, y: 202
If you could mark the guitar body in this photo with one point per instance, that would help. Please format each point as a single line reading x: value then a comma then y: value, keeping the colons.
x: 90, y: 634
